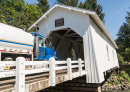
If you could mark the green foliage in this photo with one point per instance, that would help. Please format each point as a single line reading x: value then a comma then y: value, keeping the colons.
x: 26, y: 17
x: 120, y: 58
x: 125, y: 75
x: 123, y: 40
x: 81, y: 5
x: 110, y: 84
x: 127, y: 53
x: 128, y: 70
x: 43, y: 5
x: 73, y: 3
x: 88, y: 5
x: 20, y: 14
x: 92, y: 5
x: 117, y: 82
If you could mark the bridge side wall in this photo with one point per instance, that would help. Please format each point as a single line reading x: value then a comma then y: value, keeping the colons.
x: 94, y: 41
x: 106, y: 59
x: 92, y: 72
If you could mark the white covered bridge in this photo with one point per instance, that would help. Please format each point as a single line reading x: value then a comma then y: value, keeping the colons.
x: 76, y: 33
x: 79, y: 31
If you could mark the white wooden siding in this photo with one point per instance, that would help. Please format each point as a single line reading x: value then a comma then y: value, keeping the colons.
x: 100, y: 42
x: 72, y: 19
x: 94, y: 41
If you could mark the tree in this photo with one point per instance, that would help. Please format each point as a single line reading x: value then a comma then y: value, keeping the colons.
x: 81, y: 5
x: 25, y: 18
x: 88, y: 5
x: 3, y: 11
x: 9, y: 8
x: 18, y: 13
x: 43, y: 5
x: 92, y: 5
x: 2, y: 15
x: 73, y: 3
x: 123, y: 39
x: 120, y: 58
x: 127, y: 53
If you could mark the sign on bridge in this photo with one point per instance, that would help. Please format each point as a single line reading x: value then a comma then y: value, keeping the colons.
x: 59, y: 22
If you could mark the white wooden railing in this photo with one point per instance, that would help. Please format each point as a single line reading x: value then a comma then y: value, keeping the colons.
x: 20, y: 70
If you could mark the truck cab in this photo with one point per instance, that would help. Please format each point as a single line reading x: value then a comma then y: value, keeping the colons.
x: 44, y: 51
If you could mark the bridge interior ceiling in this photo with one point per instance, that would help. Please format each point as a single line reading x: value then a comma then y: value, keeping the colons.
x: 67, y: 44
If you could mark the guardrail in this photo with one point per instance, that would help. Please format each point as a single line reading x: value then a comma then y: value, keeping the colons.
x: 20, y: 71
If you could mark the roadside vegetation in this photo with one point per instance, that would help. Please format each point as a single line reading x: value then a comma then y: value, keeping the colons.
x: 117, y: 81
x: 123, y: 41
x: 22, y: 15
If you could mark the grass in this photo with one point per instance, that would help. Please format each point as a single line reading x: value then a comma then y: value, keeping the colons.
x: 125, y: 75
x: 110, y: 84
x: 116, y: 79
x: 117, y: 82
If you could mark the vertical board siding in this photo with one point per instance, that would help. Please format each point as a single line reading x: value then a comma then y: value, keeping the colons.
x: 72, y: 19
x: 90, y: 59
x: 100, y: 42
x: 94, y: 41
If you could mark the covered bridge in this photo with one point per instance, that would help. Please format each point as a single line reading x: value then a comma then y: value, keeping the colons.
x: 79, y: 33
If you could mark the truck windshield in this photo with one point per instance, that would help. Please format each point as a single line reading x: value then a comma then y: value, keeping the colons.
x: 40, y: 41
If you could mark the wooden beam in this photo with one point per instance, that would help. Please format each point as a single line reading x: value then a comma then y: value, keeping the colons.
x: 79, y: 39
x: 59, y: 44
x: 76, y: 50
x: 61, y: 41
x: 70, y: 48
x: 67, y: 32
x: 66, y: 39
x: 71, y: 34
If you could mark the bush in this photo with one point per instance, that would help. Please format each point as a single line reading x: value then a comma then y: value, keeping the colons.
x: 127, y: 53
x: 128, y: 70
x: 120, y: 59
x: 110, y: 84
x: 124, y: 75
x: 117, y: 82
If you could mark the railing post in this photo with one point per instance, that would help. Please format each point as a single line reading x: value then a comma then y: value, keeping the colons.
x: 52, y: 71
x: 1, y: 67
x: 69, y: 69
x: 80, y: 66
x: 20, y: 74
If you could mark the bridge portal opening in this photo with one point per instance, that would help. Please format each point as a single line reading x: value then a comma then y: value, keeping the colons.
x: 67, y: 44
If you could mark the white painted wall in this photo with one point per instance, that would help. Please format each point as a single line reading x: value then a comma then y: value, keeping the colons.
x: 72, y: 19
x: 95, y: 54
x: 100, y: 41
x: 92, y: 73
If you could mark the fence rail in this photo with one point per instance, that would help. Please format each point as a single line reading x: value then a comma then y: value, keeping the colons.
x: 49, y: 66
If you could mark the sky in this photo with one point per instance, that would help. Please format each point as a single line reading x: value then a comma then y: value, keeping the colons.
x: 115, y: 13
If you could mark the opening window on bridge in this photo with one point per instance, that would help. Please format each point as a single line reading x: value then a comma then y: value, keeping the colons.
x: 113, y: 55
x: 107, y: 52
x: 40, y: 41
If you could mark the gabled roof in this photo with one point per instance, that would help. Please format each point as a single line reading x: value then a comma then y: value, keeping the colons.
x: 93, y: 15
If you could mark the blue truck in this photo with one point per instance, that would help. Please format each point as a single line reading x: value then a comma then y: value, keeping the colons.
x: 44, y: 52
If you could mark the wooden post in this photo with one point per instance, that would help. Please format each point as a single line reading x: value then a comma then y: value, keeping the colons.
x: 80, y: 67
x: 52, y: 71
x: 20, y: 74
x: 69, y: 69
x: 0, y: 56
x: 99, y: 89
x: 1, y: 67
